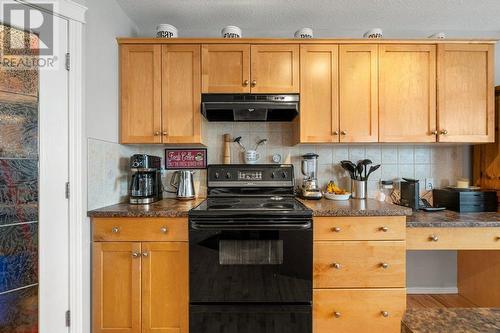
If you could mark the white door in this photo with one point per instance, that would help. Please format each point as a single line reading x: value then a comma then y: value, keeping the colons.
x: 54, y: 212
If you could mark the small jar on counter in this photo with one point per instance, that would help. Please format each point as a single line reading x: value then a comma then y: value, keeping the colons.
x: 386, y: 188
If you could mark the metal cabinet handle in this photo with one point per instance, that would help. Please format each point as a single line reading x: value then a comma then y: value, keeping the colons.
x: 336, y: 229
x: 335, y: 132
x: 433, y: 238
x: 336, y: 265
x: 444, y: 132
x: 384, y: 229
x: 163, y: 230
x: 384, y: 265
x: 434, y: 132
x: 136, y: 254
x: 164, y: 133
x: 157, y: 133
x: 254, y: 83
x: 245, y: 83
x: 343, y: 132
x: 384, y: 313
x: 115, y: 230
x: 337, y: 314
x: 145, y: 254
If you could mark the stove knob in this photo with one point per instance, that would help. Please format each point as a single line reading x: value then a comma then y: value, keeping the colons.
x: 228, y: 175
x: 273, y: 175
x: 284, y: 174
x: 216, y: 175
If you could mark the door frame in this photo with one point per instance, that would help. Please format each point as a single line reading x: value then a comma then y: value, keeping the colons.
x: 79, y: 286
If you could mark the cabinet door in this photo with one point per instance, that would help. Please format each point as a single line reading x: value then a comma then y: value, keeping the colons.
x: 165, y: 287
x: 319, y: 103
x: 275, y: 69
x: 116, y: 295
x: 407, y: 96
x: 465, y: 93
x: 140, y: 81
x: 225, y: 68
x: 181, y: 83
x: 358, y: 93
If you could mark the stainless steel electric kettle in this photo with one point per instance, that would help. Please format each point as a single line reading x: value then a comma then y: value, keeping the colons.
x: 182, y: 181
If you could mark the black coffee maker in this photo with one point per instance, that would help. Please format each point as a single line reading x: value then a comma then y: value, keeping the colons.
x: 410, y: 193
x: 145, y: 182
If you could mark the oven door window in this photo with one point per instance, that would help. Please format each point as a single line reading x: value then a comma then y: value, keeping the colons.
x: 250, y: 252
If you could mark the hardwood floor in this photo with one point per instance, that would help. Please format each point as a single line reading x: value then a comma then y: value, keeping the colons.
x: 438, y: 301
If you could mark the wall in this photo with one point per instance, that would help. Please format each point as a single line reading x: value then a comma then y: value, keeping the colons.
x: 105, y: 20
x: 442, y: 163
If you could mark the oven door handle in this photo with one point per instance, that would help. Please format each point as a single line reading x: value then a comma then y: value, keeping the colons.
x: 251, y: 226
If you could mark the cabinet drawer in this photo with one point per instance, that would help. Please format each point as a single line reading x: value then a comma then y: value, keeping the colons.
x: 359, y: 264
x: 357, y: 310
x: 453, y: 238
x: 360, y: 228
x: 140, y: 229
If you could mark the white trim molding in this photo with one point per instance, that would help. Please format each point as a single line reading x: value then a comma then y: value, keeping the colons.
x: 77, y: 202
x: 67, y: 9
x: 431, y: 290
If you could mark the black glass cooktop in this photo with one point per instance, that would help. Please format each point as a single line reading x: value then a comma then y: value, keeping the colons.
x: 273, y: 203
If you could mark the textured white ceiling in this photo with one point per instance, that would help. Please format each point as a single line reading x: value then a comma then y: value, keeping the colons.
x: 328, y: 18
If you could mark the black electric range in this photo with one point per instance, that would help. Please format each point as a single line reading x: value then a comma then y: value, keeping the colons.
x: 250, y: 255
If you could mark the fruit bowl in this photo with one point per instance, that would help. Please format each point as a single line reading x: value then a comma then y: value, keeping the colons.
x: 338, y: 197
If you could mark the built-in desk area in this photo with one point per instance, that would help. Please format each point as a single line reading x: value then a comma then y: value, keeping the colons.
x: 476, y: 236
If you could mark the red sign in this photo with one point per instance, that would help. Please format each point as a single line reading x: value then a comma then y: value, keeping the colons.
x: 185, y: 158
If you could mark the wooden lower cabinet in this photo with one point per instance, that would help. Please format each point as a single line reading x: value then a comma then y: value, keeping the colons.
x: 140, y: 287
x: 359, y: 274
x: 165, y: 292
x: 358, y: 310
x: 116, y: 289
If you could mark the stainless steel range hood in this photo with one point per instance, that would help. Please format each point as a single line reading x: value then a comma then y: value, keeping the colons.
x: 249, y: 107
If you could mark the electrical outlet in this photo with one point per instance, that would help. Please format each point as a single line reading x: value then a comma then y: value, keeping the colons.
x: 429, y: 184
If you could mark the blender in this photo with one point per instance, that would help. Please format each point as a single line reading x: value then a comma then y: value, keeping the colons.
x: 310, y: 188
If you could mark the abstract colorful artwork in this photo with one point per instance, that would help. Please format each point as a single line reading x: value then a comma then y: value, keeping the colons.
x: 18, y: 197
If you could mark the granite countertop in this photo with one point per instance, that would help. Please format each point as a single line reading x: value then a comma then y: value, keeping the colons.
x: 353, y: 207
x: 451, y: 219
x: 456, y: 320
x: 323, y: 207
x: 162, y: 208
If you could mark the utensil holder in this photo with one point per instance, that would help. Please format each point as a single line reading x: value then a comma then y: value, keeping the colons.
x: 359, y: 189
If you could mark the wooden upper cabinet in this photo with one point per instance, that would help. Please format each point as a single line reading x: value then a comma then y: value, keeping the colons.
x: 358, y: 67
x: 181, y: 83
x: 116, y: 294
x: 140, y: 77
x: 465, y: 93
x: 226, y: 68
x: 275, y: 68
x: 319, y: 105
x: 407, y: 93
x: 165, y: 287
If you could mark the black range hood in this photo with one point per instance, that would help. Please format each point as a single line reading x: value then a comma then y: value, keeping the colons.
x: 250, y: 107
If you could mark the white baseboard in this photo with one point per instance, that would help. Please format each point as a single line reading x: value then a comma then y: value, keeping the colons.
x: 425, y: 290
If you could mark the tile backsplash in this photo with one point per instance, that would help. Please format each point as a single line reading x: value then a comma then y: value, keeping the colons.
x: 108, y: 173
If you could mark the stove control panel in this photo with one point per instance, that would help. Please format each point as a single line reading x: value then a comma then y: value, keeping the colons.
x: 250, y: 175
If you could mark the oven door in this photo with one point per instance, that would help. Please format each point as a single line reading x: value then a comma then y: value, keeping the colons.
x: 266, y: 264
